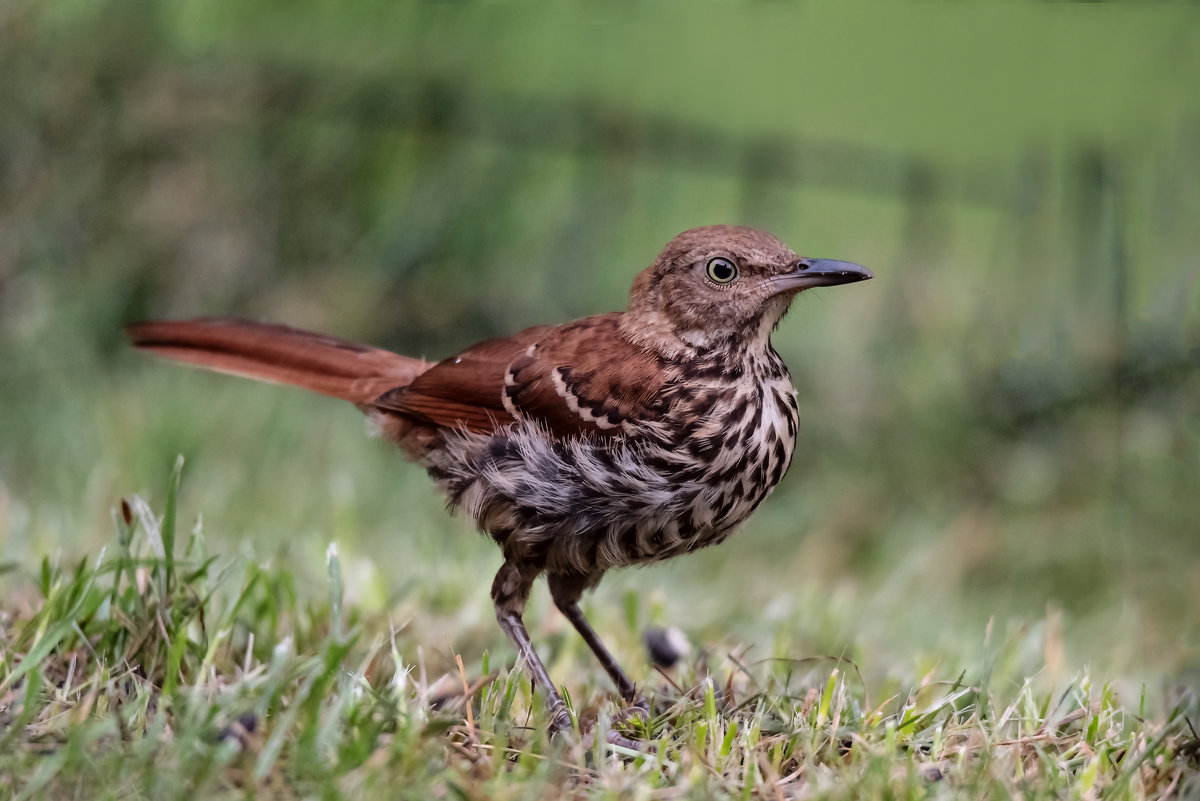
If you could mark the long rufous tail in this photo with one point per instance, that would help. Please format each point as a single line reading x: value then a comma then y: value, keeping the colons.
x: 279, y: 354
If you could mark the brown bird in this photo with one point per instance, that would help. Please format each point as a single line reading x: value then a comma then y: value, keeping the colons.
x: 615, y: 440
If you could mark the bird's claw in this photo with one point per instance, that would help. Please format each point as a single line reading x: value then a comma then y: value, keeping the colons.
x: 621, y: 741
x: 638, y: 709
x: 560, y: 722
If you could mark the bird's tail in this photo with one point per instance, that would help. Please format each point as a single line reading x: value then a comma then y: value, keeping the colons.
x: 279, y: 354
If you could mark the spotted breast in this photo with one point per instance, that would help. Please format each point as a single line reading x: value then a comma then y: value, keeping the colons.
x: 650, y: 470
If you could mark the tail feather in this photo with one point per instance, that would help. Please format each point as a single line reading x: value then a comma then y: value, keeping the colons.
x: 279, y: 354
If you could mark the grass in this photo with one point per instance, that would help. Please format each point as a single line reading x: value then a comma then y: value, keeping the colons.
x: 159, y: 670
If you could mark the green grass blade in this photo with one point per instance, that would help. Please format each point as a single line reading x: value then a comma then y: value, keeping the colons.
x: 168, y: 525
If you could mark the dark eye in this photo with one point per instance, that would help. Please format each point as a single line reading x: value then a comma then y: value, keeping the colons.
x: 721, y: 270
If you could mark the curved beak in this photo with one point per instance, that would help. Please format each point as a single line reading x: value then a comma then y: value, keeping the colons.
x: 808, y: 273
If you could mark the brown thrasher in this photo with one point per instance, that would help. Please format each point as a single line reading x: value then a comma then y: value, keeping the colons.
x: 614, y: 440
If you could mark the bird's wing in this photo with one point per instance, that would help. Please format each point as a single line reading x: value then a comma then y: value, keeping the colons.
x: 579, y: 379
x: 463, y: 391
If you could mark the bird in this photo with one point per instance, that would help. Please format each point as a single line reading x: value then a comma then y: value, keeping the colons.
x: 615, y: 440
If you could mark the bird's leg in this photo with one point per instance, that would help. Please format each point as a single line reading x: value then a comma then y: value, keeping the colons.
x: 510, y: 591
x: 566, y: 589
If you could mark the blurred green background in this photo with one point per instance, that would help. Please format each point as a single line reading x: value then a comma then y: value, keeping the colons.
x: 1002, y: 426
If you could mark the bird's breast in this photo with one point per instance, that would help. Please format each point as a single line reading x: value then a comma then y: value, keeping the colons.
x: 737, y: 448
x: 675, y: 483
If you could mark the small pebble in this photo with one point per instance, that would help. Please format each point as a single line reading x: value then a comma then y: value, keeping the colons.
x: 666, y: 646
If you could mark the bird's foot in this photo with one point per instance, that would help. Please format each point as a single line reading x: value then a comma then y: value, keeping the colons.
x: 621, y: 741
x: 637, y: 716
x: 638, y: 709
x: 560, y: 721
x: 614, y: 737
x: 560, y: 726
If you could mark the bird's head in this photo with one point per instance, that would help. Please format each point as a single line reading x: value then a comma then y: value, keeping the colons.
x: 723, y: 286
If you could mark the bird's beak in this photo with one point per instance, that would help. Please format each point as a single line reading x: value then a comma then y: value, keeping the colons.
x: 809, y: 273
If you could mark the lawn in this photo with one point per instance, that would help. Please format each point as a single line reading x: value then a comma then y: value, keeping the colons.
x: 158, y: 669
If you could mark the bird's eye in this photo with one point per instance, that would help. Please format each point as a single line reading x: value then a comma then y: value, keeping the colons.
x: 721, y: 270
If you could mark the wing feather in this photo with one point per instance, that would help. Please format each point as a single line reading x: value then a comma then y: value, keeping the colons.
x: 581, y: 379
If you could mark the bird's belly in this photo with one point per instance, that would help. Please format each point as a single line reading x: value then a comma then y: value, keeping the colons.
x: 586, y: 505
